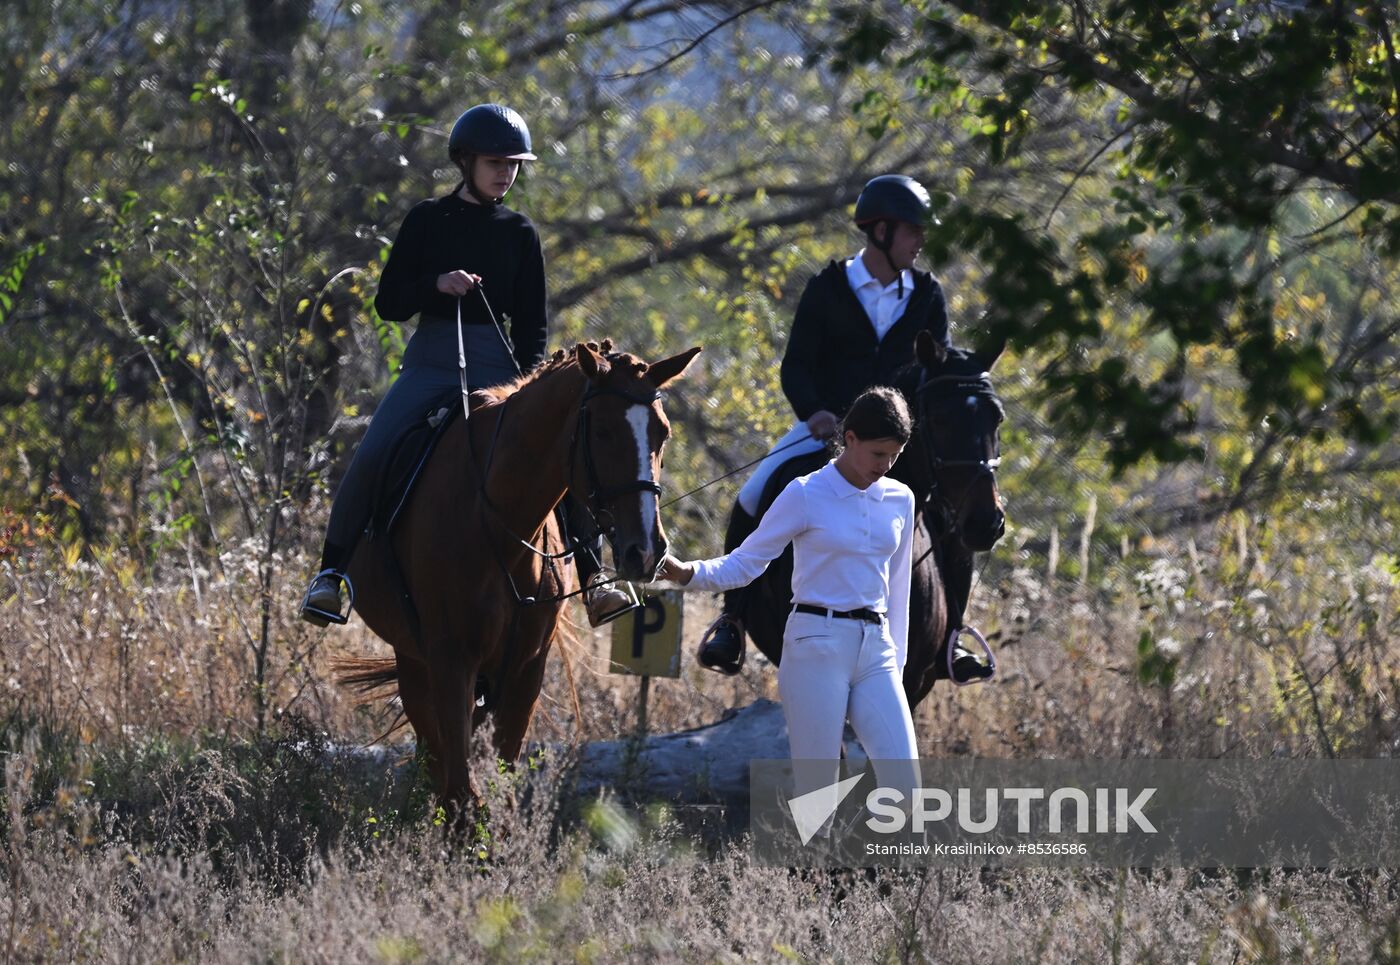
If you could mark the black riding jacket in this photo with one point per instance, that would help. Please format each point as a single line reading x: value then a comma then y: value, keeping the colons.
x: 832, y: 355
x: 502, y: 246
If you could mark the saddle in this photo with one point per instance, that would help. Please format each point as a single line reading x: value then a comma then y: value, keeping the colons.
x: 951, y: 661
x: 407, y: 457
x: 398, y: 476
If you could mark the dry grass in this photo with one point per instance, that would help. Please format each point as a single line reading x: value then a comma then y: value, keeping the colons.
x: 634, y: 889
x: 144, y: 819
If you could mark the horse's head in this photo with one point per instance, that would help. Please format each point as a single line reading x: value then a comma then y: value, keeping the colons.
x: 622, y: 431
x: 957, y: 416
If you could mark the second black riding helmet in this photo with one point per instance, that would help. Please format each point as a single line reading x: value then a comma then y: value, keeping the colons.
x: 493, y: 130
x: 893, y: 197
x: 890, y: 198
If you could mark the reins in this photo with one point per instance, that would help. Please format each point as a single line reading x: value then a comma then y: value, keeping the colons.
x: 462, y: 348
x: 597, y: 492
x: 481, y: 472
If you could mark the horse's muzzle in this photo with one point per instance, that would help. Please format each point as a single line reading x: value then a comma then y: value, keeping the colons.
x: 980, y: 531
x: 637, y: 561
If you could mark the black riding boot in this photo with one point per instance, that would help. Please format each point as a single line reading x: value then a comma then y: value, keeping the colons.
x: 966, y: 666
x: 602, y: 598
x: 962, y: 666
x: 722, y: 647
x: 321, y: 605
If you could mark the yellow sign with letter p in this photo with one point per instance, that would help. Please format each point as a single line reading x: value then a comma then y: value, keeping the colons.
x: 647, y: 641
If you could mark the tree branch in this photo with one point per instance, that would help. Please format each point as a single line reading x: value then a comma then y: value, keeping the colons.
x: 695, y: 42
x: 1268, y: 148
x: 821, y: 198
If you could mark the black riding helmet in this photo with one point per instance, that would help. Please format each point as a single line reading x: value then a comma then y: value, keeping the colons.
x: 887, y: 199
x: 493, y: 130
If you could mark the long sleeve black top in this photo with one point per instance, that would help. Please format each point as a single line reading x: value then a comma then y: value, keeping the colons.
x: 832, y: 353
x: 502, y: 246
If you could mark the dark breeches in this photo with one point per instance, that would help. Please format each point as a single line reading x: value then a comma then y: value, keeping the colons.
x: 429, y: 372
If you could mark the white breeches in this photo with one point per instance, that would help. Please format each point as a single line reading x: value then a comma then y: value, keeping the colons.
x: 833, y: 669
x: 753, y: 489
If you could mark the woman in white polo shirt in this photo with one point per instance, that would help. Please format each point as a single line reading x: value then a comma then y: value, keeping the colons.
x: 846, y: 639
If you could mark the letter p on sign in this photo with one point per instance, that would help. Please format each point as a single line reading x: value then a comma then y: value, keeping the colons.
x: 647, y: 641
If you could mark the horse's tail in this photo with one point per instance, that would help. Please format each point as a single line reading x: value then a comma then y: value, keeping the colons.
x: 375, y: 679
x: 566, y: 639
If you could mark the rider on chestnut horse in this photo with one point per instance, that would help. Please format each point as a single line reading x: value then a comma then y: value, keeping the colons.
x: 452, y: 253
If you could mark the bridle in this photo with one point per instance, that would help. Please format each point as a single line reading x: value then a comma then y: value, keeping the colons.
x: 595, y: 504
x: 950, y: 386
x: 597, y: 493
x: 600, y: 496
x: 974, y: 388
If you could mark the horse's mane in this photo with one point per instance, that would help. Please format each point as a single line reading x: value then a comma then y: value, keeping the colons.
x: 561, y: 359
x: 907, y: 378
x: 499, y: 393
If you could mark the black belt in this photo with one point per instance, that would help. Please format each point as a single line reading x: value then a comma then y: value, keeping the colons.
x: 864, y: 613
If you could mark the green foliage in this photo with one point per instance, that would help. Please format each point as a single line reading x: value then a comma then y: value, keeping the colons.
x: 219, y: 173
x: 1186, y: 226
x: 1208, y: 136
x: 13, y: 276
x: 1155, y: 668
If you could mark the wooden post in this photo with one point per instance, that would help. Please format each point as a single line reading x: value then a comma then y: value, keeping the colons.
x: 642, y: 705
x: 1086, y: 538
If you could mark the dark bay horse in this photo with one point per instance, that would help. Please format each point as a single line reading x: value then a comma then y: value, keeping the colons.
x: 950, y: 464
x: 477, y: 545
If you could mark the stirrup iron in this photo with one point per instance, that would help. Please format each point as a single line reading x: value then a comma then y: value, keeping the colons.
x: 319, y: 617
x: 954, y: 637
x: 622, y: 586
x: 728, y: 668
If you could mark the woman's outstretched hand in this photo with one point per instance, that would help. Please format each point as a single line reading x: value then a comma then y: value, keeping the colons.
x: 674, y: 571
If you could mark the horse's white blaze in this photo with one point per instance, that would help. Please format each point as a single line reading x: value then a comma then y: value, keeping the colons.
x: 639, y: 416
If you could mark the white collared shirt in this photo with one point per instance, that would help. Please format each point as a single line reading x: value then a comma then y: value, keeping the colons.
x: 851, y: 547
x: 883, y: 304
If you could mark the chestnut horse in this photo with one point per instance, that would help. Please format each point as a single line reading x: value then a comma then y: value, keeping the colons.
x: 950, y: 464
x: 477, y: 546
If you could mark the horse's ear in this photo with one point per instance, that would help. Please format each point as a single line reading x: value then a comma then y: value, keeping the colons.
x: 659, y: 373
x: 988, y: 352
x: 930, y: 352
x: 593, y: 364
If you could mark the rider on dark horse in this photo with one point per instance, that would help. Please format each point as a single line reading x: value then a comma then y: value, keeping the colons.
x: 854, y: 329
x: 447, y: 248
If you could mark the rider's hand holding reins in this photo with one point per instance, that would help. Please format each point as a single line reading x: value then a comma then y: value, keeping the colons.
x: 457, y: 282
x: 822, y: 424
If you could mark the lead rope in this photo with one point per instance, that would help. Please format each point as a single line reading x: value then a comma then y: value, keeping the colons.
x: 672, y: 502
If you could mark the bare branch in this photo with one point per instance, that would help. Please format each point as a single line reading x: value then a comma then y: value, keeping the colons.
x: 695, y: 42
